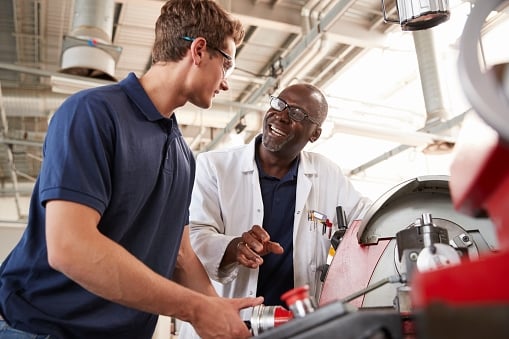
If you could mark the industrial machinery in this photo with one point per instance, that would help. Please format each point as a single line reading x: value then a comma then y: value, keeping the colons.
x: 367, y: 291
x: 430, y: 259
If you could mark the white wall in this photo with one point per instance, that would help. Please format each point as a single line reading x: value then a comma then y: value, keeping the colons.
x: 11, y: 228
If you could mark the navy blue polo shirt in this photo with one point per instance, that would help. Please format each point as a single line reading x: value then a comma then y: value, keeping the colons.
x: 110, y: 149
x: 276, y: 273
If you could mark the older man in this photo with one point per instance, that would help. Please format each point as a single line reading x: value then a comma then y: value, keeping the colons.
x: 249, y: 214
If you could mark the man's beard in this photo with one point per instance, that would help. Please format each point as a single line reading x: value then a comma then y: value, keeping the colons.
x: 271, y: 146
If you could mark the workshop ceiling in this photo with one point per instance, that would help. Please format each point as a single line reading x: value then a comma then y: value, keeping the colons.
x: 286, y: 41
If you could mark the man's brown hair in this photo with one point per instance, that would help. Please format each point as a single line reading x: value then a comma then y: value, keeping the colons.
x: 192, y: 18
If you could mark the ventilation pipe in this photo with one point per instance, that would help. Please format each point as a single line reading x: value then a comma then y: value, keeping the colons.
x: 429, y: 74
x: 436, y: 113
x: 87, y: 50
x: 306, y: 11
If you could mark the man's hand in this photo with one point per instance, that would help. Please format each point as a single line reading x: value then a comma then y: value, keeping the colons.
x: 254, y: 244
x: 219, y: 318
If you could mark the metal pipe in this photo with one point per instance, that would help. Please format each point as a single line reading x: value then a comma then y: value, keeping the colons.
x: 392, y: 279
x: 435, y: 128
x: 429, y: 74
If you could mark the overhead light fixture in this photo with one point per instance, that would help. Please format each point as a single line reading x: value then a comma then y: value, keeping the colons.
x: 414, y: 15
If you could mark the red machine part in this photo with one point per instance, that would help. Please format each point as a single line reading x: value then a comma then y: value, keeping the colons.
x: 480, y: 176
x: 479, y: 182
x: 343, y: 278
x: 295, y: 294
x: 281, y: 316
x: 298, y: 301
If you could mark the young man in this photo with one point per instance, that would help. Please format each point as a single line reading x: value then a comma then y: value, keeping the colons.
x: 250, y: 206
x: 106, y: 231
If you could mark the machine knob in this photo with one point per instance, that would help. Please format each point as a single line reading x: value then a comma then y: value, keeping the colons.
x: 299, y: 301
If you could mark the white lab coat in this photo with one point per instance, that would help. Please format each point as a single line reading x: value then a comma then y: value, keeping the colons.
x: 227, y: 201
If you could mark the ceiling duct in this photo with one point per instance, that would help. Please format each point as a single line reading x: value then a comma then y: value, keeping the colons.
x: 424, y: 43
x: 87, y: 50
x: 436, y: 113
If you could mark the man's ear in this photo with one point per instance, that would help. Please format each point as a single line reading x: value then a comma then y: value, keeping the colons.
x: 316, y: 134
x: 197, y: 49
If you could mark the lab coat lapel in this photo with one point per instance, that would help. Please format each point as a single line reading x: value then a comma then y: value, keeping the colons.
x: 248, y: 167
x: 304, y: 184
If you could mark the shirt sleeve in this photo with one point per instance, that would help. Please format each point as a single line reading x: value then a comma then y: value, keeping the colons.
x: 77, y: 149
x: 207, y: 229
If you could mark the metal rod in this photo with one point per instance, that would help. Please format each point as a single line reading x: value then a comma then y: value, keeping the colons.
x: 391, y: 279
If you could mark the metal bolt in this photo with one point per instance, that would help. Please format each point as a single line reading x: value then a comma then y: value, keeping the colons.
x: 413, y: 256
